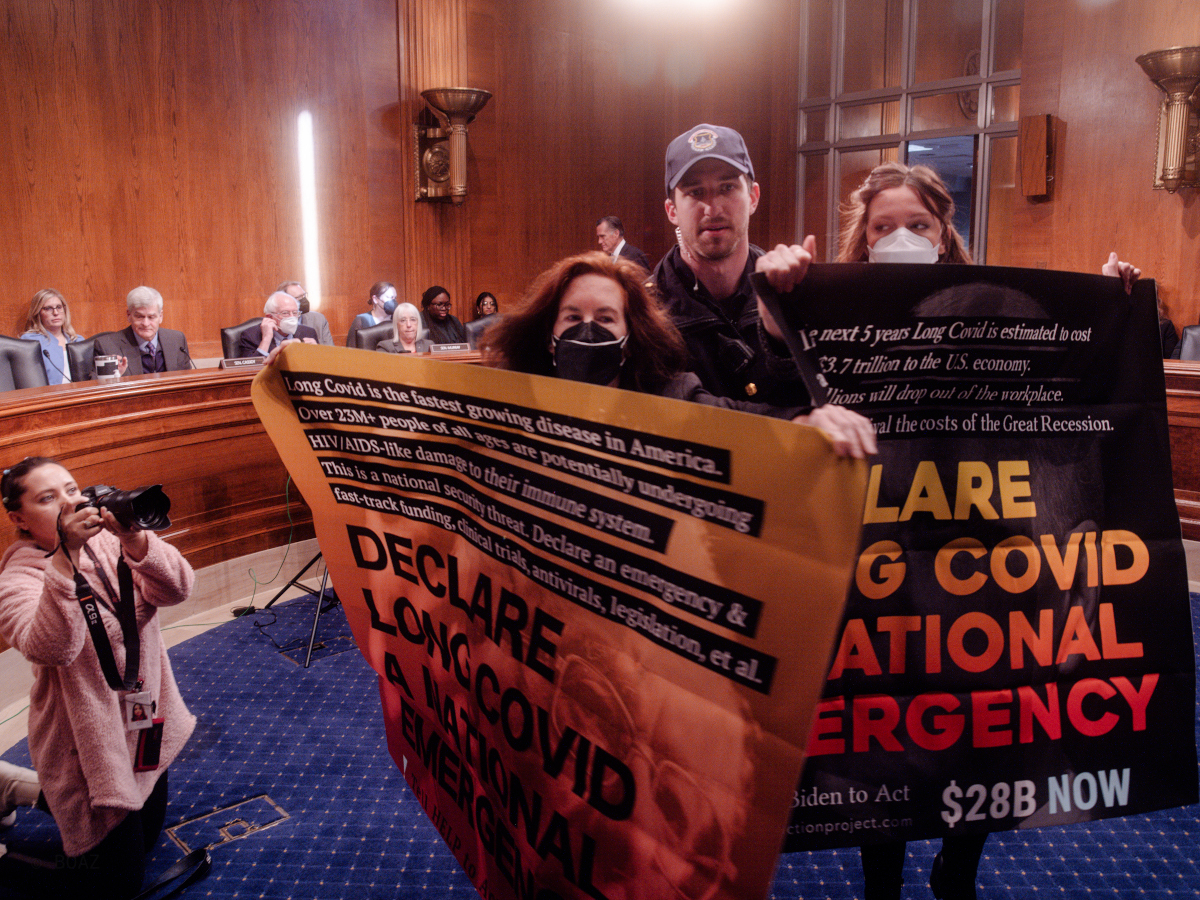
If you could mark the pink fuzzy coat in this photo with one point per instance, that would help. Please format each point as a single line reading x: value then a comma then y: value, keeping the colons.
x: 77, y: 737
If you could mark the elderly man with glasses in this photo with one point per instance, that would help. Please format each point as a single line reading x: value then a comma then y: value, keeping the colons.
x: 280, y: 326
x: 308, y: 316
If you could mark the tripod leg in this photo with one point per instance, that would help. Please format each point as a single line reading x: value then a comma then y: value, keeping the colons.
x: 295, y: 579
x: 316, y: 618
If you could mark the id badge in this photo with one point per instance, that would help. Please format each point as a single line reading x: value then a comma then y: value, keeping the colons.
x: 148, y: 747
x: 139, y: 710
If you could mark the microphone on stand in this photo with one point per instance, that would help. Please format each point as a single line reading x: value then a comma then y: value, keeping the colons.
x: 46, y: 353
x: 189, y: 357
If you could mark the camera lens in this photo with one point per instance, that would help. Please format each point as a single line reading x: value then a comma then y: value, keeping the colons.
x: 145, y: 507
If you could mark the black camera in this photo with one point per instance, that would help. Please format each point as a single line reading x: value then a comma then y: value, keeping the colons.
x: 143, y: 508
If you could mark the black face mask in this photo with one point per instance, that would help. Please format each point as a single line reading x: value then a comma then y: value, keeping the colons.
x: 588, y: 352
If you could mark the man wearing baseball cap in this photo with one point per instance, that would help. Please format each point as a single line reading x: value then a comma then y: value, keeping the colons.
x: 705, y: 279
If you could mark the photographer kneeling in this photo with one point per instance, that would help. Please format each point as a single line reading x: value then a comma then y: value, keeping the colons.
x: 105, y: 716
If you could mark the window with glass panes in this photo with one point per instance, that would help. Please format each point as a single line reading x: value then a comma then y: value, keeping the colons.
x: 935, y: 82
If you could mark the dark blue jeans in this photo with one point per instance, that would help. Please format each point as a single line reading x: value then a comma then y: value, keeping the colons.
x: 112, y: 870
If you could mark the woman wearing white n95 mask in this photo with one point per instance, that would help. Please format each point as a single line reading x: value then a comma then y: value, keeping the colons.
x: 901, y: 214
x: 898, y: 214
x: 906, y: 215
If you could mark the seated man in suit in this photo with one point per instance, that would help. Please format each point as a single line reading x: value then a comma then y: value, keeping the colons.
x: 144, y: 346
x: 310, y: 317
x: 280, y: 326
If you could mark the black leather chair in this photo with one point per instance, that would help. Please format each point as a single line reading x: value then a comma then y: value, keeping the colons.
x: 476, y: 329
x: 1189, y: 344
x: 368, y: 338
x: 81, y: 357
x: 21, y: 364
x: 232, y: 336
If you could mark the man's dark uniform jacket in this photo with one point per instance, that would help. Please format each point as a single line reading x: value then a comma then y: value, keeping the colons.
x: 726, y: 343
x: 125, y: 343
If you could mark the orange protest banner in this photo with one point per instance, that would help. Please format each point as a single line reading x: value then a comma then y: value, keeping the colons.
x: 601, y: 620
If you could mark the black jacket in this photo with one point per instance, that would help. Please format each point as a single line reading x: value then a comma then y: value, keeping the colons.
x: 448, y: 331
x: 252, y: 337
x: 686, y: 386
x: 725, y: 340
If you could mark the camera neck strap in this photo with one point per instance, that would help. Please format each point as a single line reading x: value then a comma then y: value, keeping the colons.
x: 126, y: 612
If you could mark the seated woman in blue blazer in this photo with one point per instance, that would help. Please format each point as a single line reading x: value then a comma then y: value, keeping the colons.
x: 49, y: 323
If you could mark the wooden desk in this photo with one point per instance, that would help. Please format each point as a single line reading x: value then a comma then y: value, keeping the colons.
x: 195, y: 432
x: 1183, y: 420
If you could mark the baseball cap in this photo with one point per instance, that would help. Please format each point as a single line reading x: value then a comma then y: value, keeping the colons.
x: 706, y: 142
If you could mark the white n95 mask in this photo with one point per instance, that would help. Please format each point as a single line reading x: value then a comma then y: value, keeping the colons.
x: 902, y: 246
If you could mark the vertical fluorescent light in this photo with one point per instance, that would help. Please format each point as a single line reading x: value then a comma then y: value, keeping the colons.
x: 308, y: 208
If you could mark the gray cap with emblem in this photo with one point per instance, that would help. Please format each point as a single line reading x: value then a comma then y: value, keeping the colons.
x: 706, y: 142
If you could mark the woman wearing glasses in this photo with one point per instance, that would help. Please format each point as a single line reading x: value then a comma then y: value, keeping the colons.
x: 443, y: 327
x: 49, y: 323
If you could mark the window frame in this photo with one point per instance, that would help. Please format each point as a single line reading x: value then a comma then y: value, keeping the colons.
x: 832, y: 146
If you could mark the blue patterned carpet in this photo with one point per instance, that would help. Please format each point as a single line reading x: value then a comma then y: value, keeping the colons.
x: 288, y: 774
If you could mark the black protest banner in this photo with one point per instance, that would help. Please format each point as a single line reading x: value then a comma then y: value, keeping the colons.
x: 593, y: 669
x: 1017, y: 646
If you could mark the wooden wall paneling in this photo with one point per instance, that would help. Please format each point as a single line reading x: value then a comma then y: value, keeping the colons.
x: 1183, y: 417
x: 160, y: 148
x: 588, y: 99
x: 1033, y: 155
x: 1079, y: 66
x: 490, y: 227
x: 196, y: 433
x: 437, y: 237
x: 784, y: 79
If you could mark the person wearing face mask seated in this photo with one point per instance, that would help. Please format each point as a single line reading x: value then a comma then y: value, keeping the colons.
x: 901, y: 214
x: 308, y: 316
x: 408, y: 334
x: 379, y: 309
x: 280, y: 326
x: 591, y: 318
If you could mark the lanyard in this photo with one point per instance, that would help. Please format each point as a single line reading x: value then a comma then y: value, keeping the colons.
x: 126, y: 611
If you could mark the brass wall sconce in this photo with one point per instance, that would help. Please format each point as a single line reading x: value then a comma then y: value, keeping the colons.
x: 442, y: 151
x: 1177, y: 73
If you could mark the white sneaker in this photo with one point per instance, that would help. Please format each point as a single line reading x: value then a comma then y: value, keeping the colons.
x: 9, y: 821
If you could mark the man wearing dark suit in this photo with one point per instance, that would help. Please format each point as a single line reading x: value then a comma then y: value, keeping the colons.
x: 610, y: 235
x: 310, y: 317
x: 280, y: 326
x: 144, y: 346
